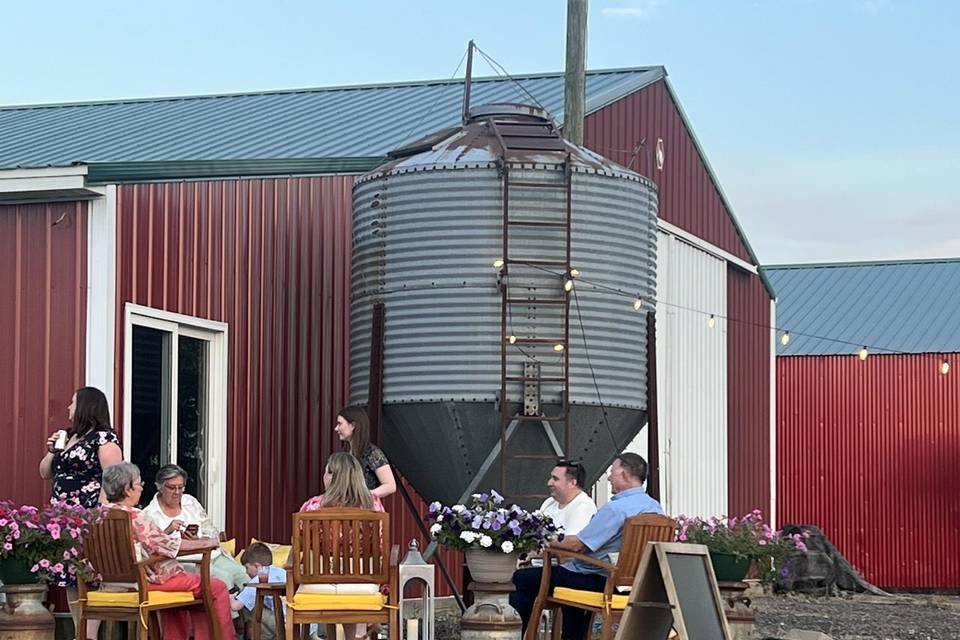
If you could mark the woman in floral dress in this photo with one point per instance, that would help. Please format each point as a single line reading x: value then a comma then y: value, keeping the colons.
x: 77, y: 469
x: 92, y: 446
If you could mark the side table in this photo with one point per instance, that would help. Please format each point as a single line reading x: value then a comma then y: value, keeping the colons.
x: 275, y: 590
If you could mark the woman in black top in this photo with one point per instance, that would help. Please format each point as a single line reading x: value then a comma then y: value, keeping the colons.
x: 353, y: 428
x: 91, y: 447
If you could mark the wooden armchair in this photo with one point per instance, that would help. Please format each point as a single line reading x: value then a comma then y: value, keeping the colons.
x: 110, y: 550
x: 338, y: 567
x: 637, y: 532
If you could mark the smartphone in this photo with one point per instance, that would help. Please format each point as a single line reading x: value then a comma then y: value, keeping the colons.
x: 192, y: 530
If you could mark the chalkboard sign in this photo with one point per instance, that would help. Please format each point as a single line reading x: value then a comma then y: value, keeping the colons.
x: 674, y: 589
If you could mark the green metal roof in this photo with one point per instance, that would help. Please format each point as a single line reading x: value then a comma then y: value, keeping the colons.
x: 324, y: 130
x: 906, y: 306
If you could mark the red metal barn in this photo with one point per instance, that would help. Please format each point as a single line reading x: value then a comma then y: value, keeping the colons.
x: 867, y: 450
x: 191, y: 256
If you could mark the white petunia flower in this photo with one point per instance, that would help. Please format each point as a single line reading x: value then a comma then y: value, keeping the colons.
x: 435, y: 529
x: 507, y: 547
x: 486, y: 541
x: 469, y: 536
x: 458, y: 508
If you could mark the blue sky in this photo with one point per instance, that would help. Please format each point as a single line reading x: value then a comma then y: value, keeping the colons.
x: 832, y: 125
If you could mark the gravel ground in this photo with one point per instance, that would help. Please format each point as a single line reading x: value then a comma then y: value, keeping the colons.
x: 842, y: 618
x: 860, y: 617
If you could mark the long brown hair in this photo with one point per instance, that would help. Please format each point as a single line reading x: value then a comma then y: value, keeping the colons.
x: 347, y: 487
x: 91, y: 413
x: 360, y: 438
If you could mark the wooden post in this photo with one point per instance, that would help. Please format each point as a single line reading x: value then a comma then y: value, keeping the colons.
x: 575, y: 80
x: 467, y: 82
x: 375, y: 382
x: 653, y: 439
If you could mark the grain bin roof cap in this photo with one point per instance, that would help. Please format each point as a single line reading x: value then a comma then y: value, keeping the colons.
x: 476, y: 145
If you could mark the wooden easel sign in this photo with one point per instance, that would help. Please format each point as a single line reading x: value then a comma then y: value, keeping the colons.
x: 674, y: 589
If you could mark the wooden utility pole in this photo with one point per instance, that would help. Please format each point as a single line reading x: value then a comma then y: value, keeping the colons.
x: 576, y: 79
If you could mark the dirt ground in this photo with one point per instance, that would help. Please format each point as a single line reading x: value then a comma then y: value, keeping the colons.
x: 913, y: 617
x: 860, y: 617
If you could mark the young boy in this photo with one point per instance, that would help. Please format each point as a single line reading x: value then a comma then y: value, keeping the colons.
x: 256, y: 558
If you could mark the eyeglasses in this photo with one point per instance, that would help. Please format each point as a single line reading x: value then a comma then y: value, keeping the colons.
x: 176, y: 488
x: 570, y: 464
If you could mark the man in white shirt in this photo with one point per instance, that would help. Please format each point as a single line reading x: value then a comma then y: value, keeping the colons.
x: 569, y: 505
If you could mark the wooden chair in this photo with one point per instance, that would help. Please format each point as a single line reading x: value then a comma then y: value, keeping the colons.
x: 110, y: 550
x: 637, y: 532
x: 334, y: 551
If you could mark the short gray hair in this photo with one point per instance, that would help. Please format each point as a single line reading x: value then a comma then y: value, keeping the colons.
x: 634, y: 465
x: 118, y: 478
x: 169, y: 471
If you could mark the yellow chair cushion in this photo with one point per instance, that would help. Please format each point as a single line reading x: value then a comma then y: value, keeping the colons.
x: 588, y: 598
x: 229, y: 547
x: 338, y: 601
x: 132, y: 598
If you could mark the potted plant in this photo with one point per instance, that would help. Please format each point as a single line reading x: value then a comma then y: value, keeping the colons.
x: 490, y: 534
x: 737, y: 543
x: 43, y: 544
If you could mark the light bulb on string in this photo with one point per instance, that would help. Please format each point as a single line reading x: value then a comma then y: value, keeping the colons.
x: 558, y: 347
x: 863, y: 353
x: 637, y: 304
x: 945, y: 367
x: 568, y: 285
x: 498, y: 263
x: 785, y: 338
x: 712, y: 322
x: 574, y: 272
x: 512, y: 339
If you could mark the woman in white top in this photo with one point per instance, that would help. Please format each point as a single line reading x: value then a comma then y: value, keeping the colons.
x: 181, y: 515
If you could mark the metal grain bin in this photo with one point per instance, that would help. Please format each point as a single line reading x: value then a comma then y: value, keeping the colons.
x: 428, y: 226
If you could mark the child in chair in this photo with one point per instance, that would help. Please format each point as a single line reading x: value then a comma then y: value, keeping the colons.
x: 257, y: 559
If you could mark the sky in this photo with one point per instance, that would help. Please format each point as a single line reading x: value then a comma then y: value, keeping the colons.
x: 832, y: 125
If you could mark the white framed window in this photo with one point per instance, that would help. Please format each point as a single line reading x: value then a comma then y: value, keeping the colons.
x: 175, y: 401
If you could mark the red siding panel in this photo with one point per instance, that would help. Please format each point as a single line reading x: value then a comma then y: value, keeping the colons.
x: 868, y: 452
x: 43, y: 283
x: 688, y: 197
x: 748, y: 393
x: 271, y: 258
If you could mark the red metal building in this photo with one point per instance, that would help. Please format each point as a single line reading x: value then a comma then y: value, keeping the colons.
x: 192, y: 256
x: 867, y: 450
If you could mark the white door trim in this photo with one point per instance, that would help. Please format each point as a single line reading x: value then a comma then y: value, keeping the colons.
x: 102, y: 292
x: 217, y: 335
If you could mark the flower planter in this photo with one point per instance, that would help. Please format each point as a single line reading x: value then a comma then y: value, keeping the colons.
x: 23, y: 616
x: 491, y: 567
x: 728, y: 567
x: 14, y: 570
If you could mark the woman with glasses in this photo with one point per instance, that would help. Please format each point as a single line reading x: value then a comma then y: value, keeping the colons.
x: 180, y: 515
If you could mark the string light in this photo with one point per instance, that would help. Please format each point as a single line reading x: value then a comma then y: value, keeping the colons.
x: 712, y: 322
x: 568, y: 285
x: 498, y: 263
x: 945, y: 367
x: 574, y: 273
x: 637, y: 304
x: 863, y: 353
x: 558, y: 347
x: 785, y: 338
x: 512, y: 339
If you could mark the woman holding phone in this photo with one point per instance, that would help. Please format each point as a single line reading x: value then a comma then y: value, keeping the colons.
x: 180, y: 515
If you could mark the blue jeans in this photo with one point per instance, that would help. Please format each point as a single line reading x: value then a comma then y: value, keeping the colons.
x: 527, y: 582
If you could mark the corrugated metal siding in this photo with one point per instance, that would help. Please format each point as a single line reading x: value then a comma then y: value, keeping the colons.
x: 852, y: 302
x: 43, y: 285
x: 271, y: 258
x: 691, y: 379
x: 688, y: 196
x: 335, y: 122
x: 868, y: 451
x: 748, y: 400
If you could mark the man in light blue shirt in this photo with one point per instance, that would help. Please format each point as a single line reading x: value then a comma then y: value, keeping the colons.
x: 598, y: 539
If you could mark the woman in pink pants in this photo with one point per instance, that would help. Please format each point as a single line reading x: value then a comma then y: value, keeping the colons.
x: 123, y: 486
